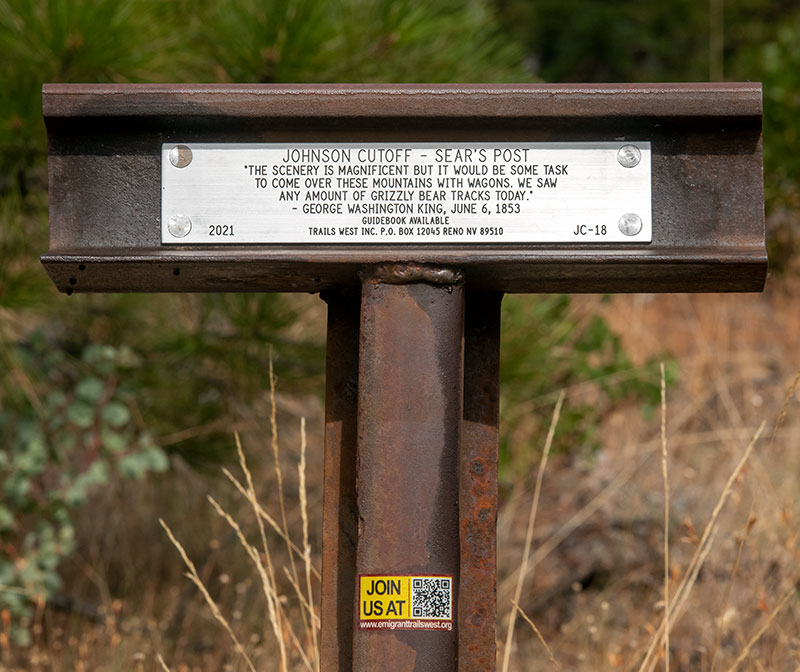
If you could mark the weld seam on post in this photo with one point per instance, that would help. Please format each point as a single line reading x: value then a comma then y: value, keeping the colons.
x: 407, y: 273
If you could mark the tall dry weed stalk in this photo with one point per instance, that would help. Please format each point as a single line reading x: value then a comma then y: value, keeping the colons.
x: 262, y: 560
x: 698, y: 559
x: 162, y: 663
x: 673, y: 609
x: 751, y: 520
x: 576, y: 520
x: 212, y: 605
x: 523, y: 569
x: 301, y: 468
x: 665, y: 474
x: 273, y: 421
x: 537, y: 632
x: 745, y: 652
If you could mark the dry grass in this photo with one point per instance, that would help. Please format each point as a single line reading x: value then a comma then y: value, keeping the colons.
x: 523, y: 568
x: 536, y: 631
x: 665, y: 472
x: 212, y: 605
x: 599, y: 550
x: 595, y: 583
x: 264, y: 565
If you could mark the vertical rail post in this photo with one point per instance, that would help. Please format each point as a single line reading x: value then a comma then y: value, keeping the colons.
x: 409, y: 428
x: 339, y: 510
x: 477, y: 605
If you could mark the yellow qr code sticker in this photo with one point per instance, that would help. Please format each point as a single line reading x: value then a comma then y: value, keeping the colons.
x: 405, y: 602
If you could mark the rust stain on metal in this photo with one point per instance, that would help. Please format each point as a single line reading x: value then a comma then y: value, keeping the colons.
x: 409, y: 418
x: 477, y: 608
x: 397, y: 656
x: 339, y: 506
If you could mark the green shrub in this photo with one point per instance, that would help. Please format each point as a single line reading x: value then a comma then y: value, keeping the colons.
x: 546, y: 348
x: 67, y: 428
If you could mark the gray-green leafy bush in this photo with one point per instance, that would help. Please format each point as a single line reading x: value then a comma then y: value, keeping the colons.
x: 66, y: 428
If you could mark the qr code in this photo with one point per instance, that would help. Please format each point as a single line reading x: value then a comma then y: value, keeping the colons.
x: 431, y: 597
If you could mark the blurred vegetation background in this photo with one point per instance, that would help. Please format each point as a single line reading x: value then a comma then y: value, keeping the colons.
x: 99, y: 390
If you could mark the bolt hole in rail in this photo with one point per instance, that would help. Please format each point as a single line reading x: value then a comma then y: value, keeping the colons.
x: 411, y: 209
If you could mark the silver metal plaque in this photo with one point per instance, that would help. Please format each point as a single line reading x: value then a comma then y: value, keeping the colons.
x: 424, y: 192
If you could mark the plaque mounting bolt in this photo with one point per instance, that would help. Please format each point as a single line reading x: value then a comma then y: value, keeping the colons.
x: 628, y: 156
x: 630, y: 224
x: 180, y: 225
x: 180, y: 156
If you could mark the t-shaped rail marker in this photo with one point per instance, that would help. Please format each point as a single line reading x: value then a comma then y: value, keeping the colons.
x: 411, y: 209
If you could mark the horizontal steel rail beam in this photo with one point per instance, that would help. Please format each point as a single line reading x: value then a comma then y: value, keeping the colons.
x: 105, y: 182
x: 455, y: 101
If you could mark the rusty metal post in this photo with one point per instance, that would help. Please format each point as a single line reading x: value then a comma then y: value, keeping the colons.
x: 339, y: 510
x: 477, y: 606
x: 409, y: 427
